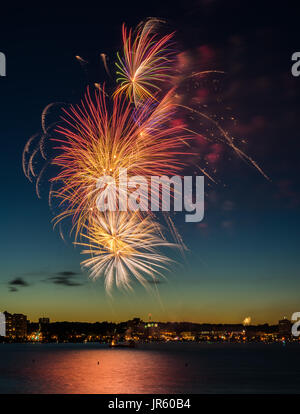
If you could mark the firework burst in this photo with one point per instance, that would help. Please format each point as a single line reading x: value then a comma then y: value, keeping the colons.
x: 146, y: 63
x: 122, y: 244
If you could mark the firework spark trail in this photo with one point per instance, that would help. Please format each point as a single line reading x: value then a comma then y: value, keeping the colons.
x: 26, y: 152
x: 45, y: 114
x: 228, y: 140
x: 104, y: 60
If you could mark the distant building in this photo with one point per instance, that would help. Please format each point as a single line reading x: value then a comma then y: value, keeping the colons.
x: 168, y: 334
x: 284, y: 327
x: 152, y: 330
x: 187, y: 336
x: 16, y: 325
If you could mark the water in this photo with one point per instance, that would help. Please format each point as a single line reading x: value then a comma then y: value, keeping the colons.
x: 150, y: 368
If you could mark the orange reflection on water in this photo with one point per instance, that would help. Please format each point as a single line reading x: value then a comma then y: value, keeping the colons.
x: 102, y: 371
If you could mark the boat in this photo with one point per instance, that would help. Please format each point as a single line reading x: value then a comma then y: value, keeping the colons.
x: 125, y: 344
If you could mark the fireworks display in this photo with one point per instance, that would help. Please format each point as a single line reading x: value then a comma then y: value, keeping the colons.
x: 135, y: 128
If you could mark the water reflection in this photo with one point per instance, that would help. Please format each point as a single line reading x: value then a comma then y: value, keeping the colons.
x: 118, y: 371
x: 161, y: 368
x: 66, y: 369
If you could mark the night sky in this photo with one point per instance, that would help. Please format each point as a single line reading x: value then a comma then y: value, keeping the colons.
x: 243, y: 258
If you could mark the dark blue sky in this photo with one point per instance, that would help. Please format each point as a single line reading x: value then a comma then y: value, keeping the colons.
x: 243, y: 259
